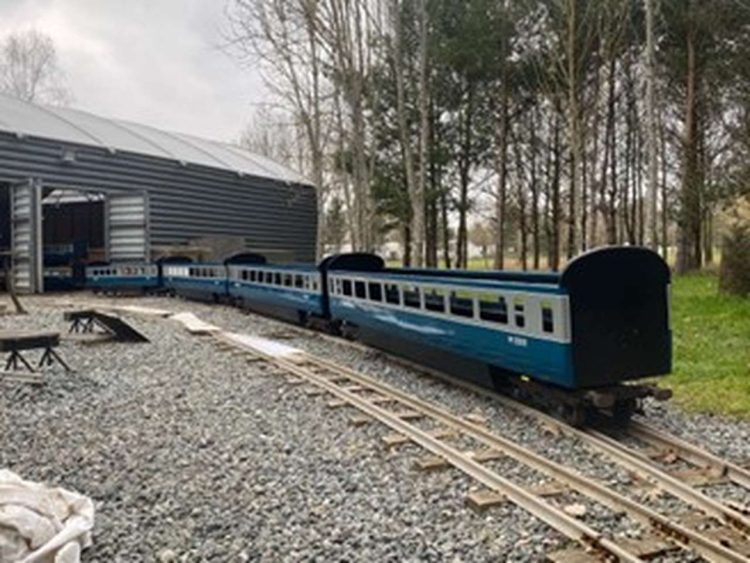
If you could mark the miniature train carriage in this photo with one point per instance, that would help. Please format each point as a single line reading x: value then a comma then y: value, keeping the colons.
x: 202, y: 282
x: 570, y: 338
x: 123, y: 278
x: 292, y: 293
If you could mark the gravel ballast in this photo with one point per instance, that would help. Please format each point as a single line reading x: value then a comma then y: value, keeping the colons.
x: 193, y: 454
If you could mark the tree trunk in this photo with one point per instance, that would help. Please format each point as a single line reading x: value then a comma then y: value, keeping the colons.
x: 689, y: 224
x: 406, y: 258
x: 610, y: 159
x: 418, y: 198
x: 534, y: 187
x: 431, y: 259
x: 445, y: 228
x: 403, y: 126
x: 521, y: 195
x: 651, y: 128
x: 574, y: 126
x: 664, y: 197
x: 464, y: 166
x: 501, y: 132
x: 554, y: 251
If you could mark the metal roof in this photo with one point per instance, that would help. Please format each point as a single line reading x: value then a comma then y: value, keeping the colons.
x: 75, y: 126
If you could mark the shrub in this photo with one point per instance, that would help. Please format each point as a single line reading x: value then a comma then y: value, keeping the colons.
x: 734, y: 275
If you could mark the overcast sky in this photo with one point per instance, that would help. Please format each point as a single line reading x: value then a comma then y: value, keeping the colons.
x: 151, y: 61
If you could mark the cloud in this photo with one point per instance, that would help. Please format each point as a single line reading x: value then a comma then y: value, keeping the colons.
x: 153, y: 62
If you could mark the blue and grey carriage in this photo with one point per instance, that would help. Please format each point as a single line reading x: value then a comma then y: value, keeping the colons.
x: 289, y: 292
x: 130, y: 277
x: 569, y: 338
x: 123, y: 278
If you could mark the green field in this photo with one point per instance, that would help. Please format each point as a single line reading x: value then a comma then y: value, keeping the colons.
x: 711, y: 347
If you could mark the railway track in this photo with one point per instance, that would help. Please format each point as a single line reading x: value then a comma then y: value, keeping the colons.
x: 652, y: 461
x: 661, y: 445
x: 407, y: 415
x: 713, y: 530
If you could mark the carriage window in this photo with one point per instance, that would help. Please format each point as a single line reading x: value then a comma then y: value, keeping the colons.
x: 519, y: 315
x: 548, y: 323
x: 277, y: 278
x: 392, y: 294
x: 493, y: 308
x: 313, y: 284
x: 376, y: 291
x: 288, y: 280
x: 411, y: 296
x: 359, y: 289
x: 462, y: 304
x: 269, y: 277
x: 347, y: 287
x: 298, y: 281
x: 434, y: 300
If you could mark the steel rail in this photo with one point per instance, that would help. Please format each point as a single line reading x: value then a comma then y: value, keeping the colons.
x: 643, y: 467
x: 685, y: 537
x: 688, y: 452
x: 554, y: 517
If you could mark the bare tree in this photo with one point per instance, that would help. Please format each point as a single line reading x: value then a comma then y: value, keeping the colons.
x: 271, y: 134
x: 29, y: 69
x: 418, y: 197
x: 284, y: 37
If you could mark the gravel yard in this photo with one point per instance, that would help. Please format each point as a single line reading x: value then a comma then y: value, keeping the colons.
x: 193, y: 454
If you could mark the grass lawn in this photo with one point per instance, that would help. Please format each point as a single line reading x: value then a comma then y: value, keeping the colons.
x: 711, y: 335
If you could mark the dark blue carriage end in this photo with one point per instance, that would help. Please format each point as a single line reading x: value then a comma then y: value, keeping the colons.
x: 245, y: 258
x: 619, y: 314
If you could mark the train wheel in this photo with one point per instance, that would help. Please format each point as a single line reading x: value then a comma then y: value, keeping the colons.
x: 349, y: 331
x: 574, y: 415
x: 623, y: 411
x: 302, y: 318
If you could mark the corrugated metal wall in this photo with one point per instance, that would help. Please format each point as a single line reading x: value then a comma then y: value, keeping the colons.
x: 185, y: 201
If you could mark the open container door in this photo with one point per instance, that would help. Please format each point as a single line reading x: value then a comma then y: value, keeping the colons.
x: 127, y: 227
x: 26, y: 236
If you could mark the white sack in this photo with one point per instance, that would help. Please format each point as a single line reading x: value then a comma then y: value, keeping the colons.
x: 42, y: 525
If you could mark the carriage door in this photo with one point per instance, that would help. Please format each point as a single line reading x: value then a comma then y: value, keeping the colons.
x: 26, y: 236
x: 127, y: 227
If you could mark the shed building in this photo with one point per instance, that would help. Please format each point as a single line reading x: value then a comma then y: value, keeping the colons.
x: 75, y: 183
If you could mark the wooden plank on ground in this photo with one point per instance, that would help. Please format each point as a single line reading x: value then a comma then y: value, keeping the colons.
x: 431, y: 463
x: 360, y: 420
x: 36, y: 378
x: 336, y: 403
x: 479, y: 501
x: 648, y: 546
x: 392, y: 440
x: 572, y: 555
